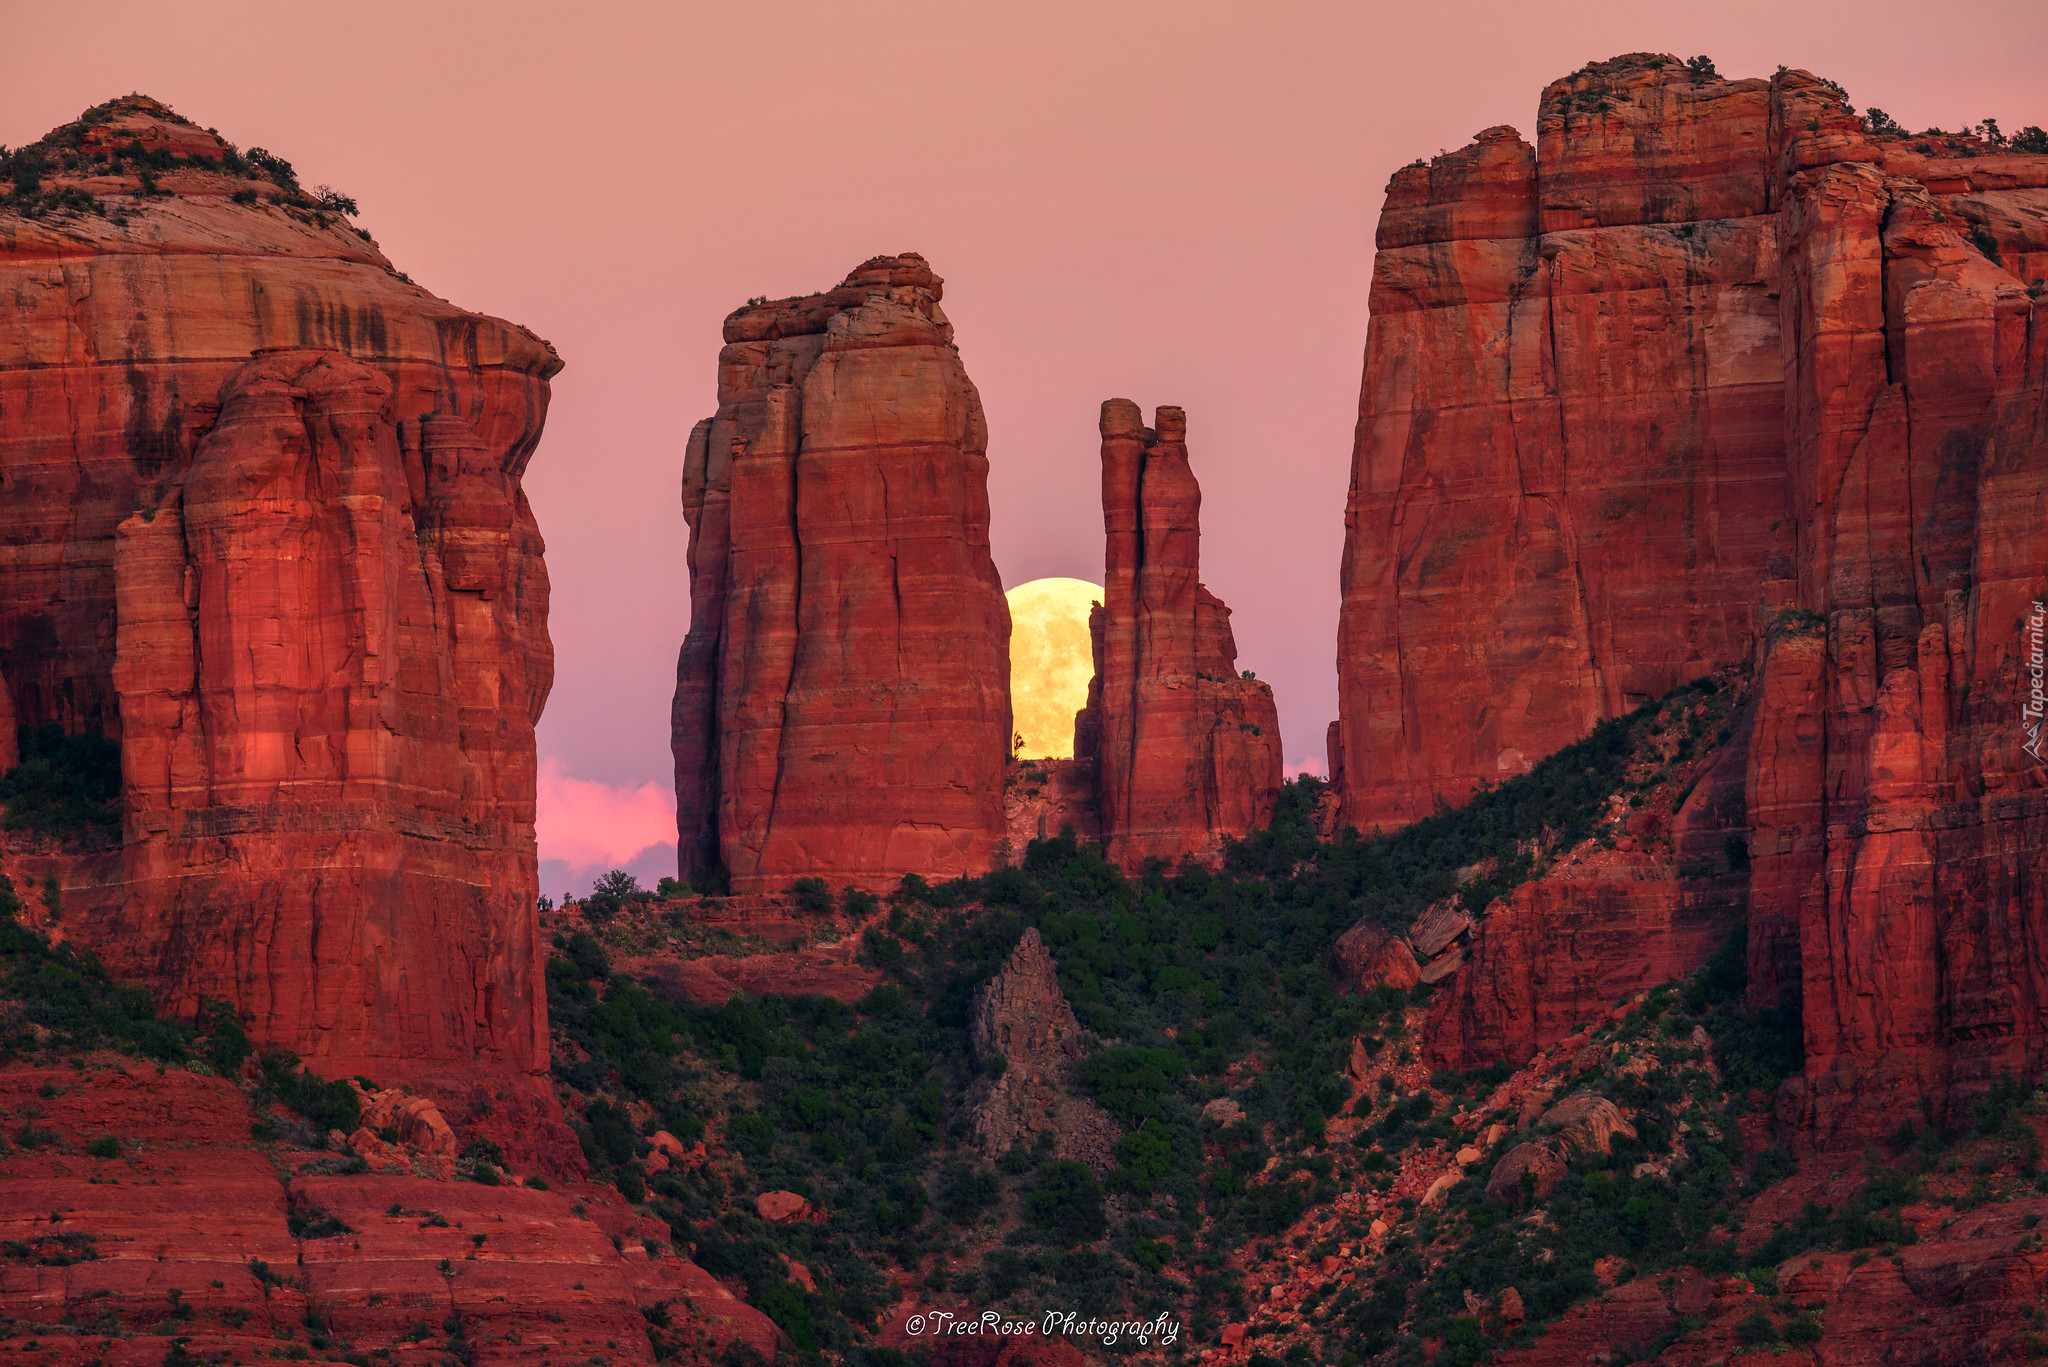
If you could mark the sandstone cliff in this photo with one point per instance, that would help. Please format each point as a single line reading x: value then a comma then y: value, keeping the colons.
x: 303, y: 590
x: 1186, y: 752
x: 1711, y: 375
x: 842, y: 698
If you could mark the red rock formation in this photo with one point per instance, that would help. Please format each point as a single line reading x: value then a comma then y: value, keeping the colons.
x: 1967, y: 1284
x: 1917, y: 422
x: 1366, y: 957
x: 1042, y: 797
x: 304, y: 591
x: 1025, y: 1035
x: 1187, y: 753
x: 1568, y: 482
x: 10, y: 753
x: 842, y: 699
x: 711, y: 979
x: 1647, y: 900
x: 188, y: 1232
x: 1584, y: 1124
x: 1708, y: 375
x: 1562, y: 950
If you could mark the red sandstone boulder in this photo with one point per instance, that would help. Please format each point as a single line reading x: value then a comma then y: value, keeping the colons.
x: 1186, y: 751
x: 1583, y: 1124
x: 1367, y: 956
x: 785, y: 1208
x: 416, y: 1120
x: 842, y: 698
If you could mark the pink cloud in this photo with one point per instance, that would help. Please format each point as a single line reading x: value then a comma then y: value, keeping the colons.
x: 1307, y: 764
x: 588, y: 825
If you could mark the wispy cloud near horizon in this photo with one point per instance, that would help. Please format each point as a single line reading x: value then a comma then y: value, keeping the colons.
x: 587, y: 826
x: 1307, y: 764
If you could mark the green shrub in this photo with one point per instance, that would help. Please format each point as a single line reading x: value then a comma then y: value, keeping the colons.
x: 813, y: 896
x: 63, y: 783
x: 1151, y: 1255
x: 227, y: 1043
x: 1067, y: 1202
x: 967, y: 1190
x: 791, y: 1311
x: 1146, y: 1157
x: 1133, y: 1084
x: 66, y: 991
x: 311, y: 1222
x: 277, y: 168
x: 1803, y: 1329
x: 1756, y: 1330
x: 612, y: 893
x: 325, y: 1105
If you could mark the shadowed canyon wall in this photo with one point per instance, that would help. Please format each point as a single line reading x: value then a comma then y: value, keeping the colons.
x: 842, y: 702
x: 1186, y: 752
x: 262, y: 523
x: 1709, y: 376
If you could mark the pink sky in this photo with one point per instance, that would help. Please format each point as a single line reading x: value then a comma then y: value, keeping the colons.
x: 1171, y: 202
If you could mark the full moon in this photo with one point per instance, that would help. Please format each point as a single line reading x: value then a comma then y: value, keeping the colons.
x: 1051, y: 662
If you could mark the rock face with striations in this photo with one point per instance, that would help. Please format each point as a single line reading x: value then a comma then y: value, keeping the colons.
x: 842, y: 699
x: 263, y: 524
x: 1187, y: 753
x: 1711, y: 375
x: 181, y: 1231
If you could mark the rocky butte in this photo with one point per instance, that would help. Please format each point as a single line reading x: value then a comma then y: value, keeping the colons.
x: 263, y: 527
x: 1186, y: 751
x: 1712, y: 376
x: 842, y: 702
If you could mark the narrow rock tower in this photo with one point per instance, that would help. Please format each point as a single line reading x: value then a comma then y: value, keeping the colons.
x: 842, y: 702
x: 1187, y: 752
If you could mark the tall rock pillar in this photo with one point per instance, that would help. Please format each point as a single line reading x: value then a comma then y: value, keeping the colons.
x: 1187, y: 751
x: 842, y: 699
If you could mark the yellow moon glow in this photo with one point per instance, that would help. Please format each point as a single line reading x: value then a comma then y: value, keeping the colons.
x: 1051, y: 662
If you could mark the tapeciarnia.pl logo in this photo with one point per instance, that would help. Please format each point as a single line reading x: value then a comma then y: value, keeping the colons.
x: 2037, y: 697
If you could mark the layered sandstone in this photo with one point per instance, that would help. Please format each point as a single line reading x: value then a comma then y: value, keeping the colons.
x: 842, y: 698
x: 1648, y: 900
x: 1568, y: 482
x: 1186, y: 751
x: 10, y: 752
x: 1917, y: 431
x: 1710, y: 375
x: 235, y: 1247
x: 263, y: 525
